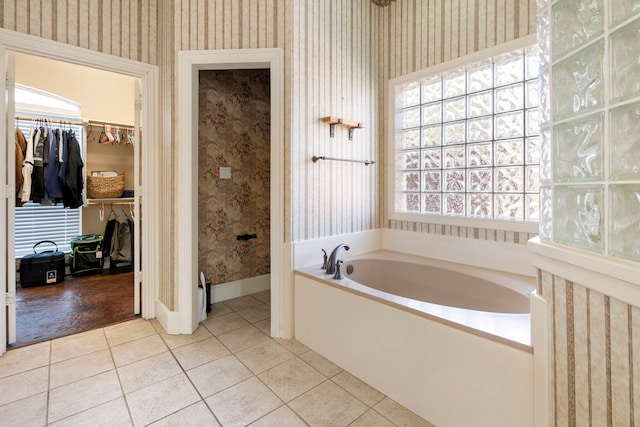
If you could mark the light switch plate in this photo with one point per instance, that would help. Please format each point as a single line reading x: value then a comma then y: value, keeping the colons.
x: 225, y: 173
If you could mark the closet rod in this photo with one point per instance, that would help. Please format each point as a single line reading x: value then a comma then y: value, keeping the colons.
x: 62, y: 122
x: 117, y: 125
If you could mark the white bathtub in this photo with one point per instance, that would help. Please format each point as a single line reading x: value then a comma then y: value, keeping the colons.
x: 448, y: 341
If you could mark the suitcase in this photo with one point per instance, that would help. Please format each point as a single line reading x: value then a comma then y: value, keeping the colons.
x: 44, y: 268
x: 86, y: 255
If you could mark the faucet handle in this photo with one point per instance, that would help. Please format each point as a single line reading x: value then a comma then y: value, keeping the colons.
x: 338, y: 275
x: 324, y: 263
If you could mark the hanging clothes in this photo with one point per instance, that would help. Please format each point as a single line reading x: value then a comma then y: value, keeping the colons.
x: 21, y: 151
x: 74, y: 176
x: 52, y: 188
x: 120, y: 234
x: 40, y: 153
x: 27, y: 168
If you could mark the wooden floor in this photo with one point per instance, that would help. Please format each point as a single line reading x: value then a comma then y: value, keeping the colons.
x: 78, y: 304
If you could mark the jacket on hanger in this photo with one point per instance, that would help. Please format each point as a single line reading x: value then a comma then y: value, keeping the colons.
x: 21, y: 150
x: 27, y: 167
x: 52, y: 188
x: 74, y: 178
x: 40, y: 153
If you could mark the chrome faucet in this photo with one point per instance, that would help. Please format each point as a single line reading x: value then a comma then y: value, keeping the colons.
x: 331, y: 262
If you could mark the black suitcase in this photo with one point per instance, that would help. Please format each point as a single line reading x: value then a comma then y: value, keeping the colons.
x: 44, y: 268
x: 86, y: 255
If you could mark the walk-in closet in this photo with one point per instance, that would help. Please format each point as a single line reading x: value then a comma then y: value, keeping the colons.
x: 77, y: 144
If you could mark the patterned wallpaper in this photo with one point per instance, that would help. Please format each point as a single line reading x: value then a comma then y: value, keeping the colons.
x: 234, y: 132
x: 595, y: 355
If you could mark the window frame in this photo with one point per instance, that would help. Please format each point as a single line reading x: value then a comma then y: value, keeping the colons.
x: 505, y: 224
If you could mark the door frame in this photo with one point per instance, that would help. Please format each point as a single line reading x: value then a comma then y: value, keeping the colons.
x: 189, y: 65
x: 150, y: 158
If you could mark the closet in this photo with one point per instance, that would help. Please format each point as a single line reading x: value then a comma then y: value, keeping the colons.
x: 108, y: 136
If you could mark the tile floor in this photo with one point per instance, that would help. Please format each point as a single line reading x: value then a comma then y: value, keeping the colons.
x: 229, y: 372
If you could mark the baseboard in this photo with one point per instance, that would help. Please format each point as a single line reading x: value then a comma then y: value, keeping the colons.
x: 168, y: 319
x: 238, y: 288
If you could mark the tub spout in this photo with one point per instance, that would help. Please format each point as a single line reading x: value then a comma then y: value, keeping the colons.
x: 331, y: 262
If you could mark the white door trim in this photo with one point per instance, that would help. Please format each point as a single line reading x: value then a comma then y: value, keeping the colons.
x: 189, y: 64
x: 148, y: 74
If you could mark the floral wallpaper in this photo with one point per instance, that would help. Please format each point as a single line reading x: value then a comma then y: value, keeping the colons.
x: 233, y: 132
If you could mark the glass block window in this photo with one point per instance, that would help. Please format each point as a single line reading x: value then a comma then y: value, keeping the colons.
x: 466, y: 140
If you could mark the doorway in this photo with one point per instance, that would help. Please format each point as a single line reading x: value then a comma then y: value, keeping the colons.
x: 61, y: 98
x: 189, y: 64
x: 145, y: 182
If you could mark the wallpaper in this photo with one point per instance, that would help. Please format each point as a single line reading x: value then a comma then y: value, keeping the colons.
x: 233, y: 132
x: 595, y: 355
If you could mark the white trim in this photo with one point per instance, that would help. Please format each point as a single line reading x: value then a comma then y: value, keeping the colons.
x: 239, y: 288
x: 540, y: 333
x: 168, y: 319
x: 189, y: 63
x: 610, y: 276
x: 148, y: 74
x: 492, y: 223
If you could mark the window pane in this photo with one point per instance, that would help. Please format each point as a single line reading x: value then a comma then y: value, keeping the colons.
x: 510, y: 152
x: 509, y: 98
x: 412, y: 160
x: 510, y: 206
x: 408, y: 95
x: 454, y: 204
x: 509, y: 69
x: 432, y: 203
x: 431, y: 135
x: 481, y: 104
x: 480, y: 180
x: 408, y: 139
x: 432, y: 113
x: 454, y: 83
x: 411, y: 181
x: 432, y: 181
x: 509, y: 180
x: 431, y: 90
x: 510, y: 125
x: 480, y: 155
x: 408, y: 118
x: 432, y: 158
x: 454, y: 109
x: 454, y: 157
x: 454, y: 180
x: 480, y: 205
x: 480, y: 76
x: 480, y: 129
x: 454, y: 133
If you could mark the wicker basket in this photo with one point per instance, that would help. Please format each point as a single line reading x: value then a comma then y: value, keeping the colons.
x: 105, y: 187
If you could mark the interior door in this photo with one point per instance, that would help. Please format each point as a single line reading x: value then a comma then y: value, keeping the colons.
x: 137, y: 201
x: 8, y: 296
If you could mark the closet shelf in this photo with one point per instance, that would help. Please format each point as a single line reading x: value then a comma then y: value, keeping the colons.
x: 351, y: 124
x: 122, y: 200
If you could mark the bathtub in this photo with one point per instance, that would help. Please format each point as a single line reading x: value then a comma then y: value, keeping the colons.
x: 448, y: 341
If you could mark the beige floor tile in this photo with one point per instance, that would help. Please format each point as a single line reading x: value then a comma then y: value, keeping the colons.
x: 78, y: 368
x: 327, y: 405
x: 109, y: 414
x: 159, y: 400
x: 281, y: 417
x: 129, y: 331
x: 145, y: 372
x: 240, y: 303
x: 218, y: 375
x: 24, y: 384
x: 400, y: 415
x: 363, y: 391
x: 264, y: 296
x: 372, y: 419
x: 264, y: 355
x: 243, y: 403
x: 292, y: 378
x: 293, y: 345
x: 256, y: 313
x: 134, y: 351
x: 197, y: 414
x: 28, y: 412
x: 199, y: 353
x: 174, y: 341
x: 242, y: 338
x: 223, y: 324
x: 264, y: 326
x: 218, y: 309
x: 76, y: 397
x: 77, y: 345
x: 24, y: 359
x: 325, y: 366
